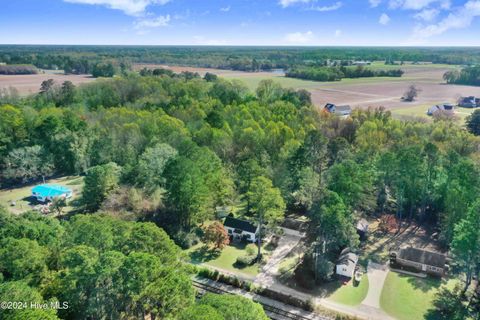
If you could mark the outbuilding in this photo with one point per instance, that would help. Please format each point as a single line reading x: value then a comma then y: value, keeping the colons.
x: 240, y: 229
x: 347, y: 264
x: 419, y: 260
x: 48, y: 192
x: 344, y: 110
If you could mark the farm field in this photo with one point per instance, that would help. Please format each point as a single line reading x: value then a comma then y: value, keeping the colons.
x: 366, y: 92
x: 23, y: 201
x: 30, y: 83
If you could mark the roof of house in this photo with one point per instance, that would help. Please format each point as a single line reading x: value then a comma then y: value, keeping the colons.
x: 344, y: 108
x: 362, y: 225
x: 422, y: 256
x: 247, y: 226
x: 347, y: 259
x: 50, y: 190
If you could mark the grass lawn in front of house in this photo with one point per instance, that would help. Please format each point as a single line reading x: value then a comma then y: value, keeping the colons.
x: 24, y: 202
x: 227, y: 258
x: 349, y: 294
x: 409, y: 298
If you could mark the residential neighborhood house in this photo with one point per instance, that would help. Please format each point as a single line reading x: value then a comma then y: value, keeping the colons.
x: 48, y: 192
x: 419, y: 260
x: 468, y: 102
x: 240, y: 229
x: 445, y: 108
x: 345, y: 110
x: 362, y: 229
x: 347, y: 264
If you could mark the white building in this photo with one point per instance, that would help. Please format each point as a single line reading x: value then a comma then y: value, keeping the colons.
x: 346, y: 264
x: 240, y: 229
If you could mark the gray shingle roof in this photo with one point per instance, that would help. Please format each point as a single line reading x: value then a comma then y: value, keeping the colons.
x: 423, y: 257
x: 240, y: 224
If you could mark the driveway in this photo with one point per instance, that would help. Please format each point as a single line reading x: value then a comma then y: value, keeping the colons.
x: 377, y: 273
x: 287, y: 242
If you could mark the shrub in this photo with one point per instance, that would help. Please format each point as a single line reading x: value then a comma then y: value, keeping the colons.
x: 251, y: 249
x: 246, y: 260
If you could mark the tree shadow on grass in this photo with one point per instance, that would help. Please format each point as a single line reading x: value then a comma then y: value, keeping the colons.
x: 204, y: 254
x: 423, y: 284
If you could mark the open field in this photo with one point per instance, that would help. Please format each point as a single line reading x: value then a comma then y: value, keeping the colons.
x: 30, y: 83
x: 22, y: 196
x: 409, y: 298
x: 365, y: 92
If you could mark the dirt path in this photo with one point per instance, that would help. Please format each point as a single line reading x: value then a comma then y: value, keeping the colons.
x: 290, y: 239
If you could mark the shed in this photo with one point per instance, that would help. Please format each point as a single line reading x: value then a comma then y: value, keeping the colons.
x: 346, y: 264
x: 362, y: 228
x: 240, y: 229
x: 48, y: 192
x: 344, y: 110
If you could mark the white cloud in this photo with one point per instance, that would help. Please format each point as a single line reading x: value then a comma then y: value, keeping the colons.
x: 161, y: 21
x: 299, y: 37
x: 338, y: 33
x: 337, y: 5
x: 417, y: 4
x: 427, y: 14
x: 374, y: 3
x: 226, y: 9
x: 287, y: 3
x: 460, y: 18
x: 130, y: 7
x: 384, y: 19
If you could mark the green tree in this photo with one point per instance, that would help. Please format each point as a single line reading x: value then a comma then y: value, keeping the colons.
x: 267, y: 205
x: 99, y: 182
x: 234, y: 307
x: 27, y: 164
x: 473, y: 123
x: 22, y: 259
x: 151, y: 165
x: 200, y: 312
x: 466, y: 244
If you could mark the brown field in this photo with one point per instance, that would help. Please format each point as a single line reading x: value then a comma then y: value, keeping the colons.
x: 362, y: 93
x: 30, y: 83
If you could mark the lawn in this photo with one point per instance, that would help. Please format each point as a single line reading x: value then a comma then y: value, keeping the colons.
x: 407, y: 297
x: 350, y: 295
x: 421, y: 111
x: 226, y: 259
x: 23, y: 201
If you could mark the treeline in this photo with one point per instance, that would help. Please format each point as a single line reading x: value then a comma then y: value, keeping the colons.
x: 467, y: 76
x: 172, y: 148
x: 17, y: 69
x: 80, y: 59
x: 338, y: 73
x: 99, y: 267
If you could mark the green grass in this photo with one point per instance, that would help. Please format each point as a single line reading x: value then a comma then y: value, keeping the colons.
x: 21, y: 195
x: 350, y: 295
x: 421, y: 111
x: 226, y: 259
x: 407, y: 297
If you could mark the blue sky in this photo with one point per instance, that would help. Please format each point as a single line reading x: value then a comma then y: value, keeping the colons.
x: 241, y: 22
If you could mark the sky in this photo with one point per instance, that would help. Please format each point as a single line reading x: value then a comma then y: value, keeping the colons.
x: 242, y: 22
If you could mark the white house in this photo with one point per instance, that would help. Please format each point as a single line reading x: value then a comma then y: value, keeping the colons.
x: 240, y: 229
x: 347, y: 264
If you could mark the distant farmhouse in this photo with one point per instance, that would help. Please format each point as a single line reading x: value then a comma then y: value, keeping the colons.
x: 419, y: 260
x: 446, y: 108
x: 240, y: 229
x: 344, y: 110
x: 469, y: 102
x: 48, y: 192
x: 347, y: 264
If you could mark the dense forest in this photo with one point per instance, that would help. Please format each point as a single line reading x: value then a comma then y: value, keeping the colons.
x: 468, y: 76
x: 82, y: 59
x: 338, y: 73
x: 165, y: 150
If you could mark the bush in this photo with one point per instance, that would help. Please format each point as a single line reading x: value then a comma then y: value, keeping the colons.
x: 246, y: 260
x: 251, y: 249
x: 186, y: 240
